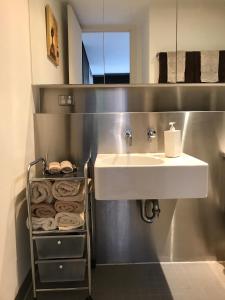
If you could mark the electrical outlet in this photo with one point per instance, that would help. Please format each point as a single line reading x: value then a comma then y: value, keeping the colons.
x: 66, y: 100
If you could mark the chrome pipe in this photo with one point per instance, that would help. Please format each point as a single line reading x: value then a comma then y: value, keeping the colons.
x: 155, y: 210
x: 87, y: 205
x: 30, y: 221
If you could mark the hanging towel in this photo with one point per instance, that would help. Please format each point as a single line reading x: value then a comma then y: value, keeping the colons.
x: 68, y: 190
x: 181, y: 62
x: 162, y: 67
x: 42, y: 223
x: 69, y: 206
x: 68, y: 221
x: 193, y: 66
x: 41, y: 191
x: 171, y: 66
x: 222, y: 66
x: 176, y: 64
x: 209, y: 66
x: 42, y: 210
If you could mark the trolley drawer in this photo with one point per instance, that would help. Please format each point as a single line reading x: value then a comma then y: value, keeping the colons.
x: 62, y: 270
x: 60, y: 246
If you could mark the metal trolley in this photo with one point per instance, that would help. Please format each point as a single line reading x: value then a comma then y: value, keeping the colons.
x: 52, y: 239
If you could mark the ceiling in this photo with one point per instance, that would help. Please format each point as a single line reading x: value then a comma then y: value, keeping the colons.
x: 90, y: 12
x: 121, y: 12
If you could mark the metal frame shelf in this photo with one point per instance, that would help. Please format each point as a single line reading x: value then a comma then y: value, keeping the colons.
x: 38, y: 234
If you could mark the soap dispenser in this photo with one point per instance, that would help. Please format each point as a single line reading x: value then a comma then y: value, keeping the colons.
x: 172, y: 141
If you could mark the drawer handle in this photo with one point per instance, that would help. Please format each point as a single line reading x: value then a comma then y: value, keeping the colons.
x: 60, y: 267
x: 59, y: 242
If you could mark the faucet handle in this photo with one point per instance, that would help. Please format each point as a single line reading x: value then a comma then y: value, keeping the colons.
x: 151, y: 133
x: 128, y: 133
x: 128, y: 136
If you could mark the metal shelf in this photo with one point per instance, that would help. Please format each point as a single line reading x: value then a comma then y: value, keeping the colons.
x: 55, y: 178
x: 62, y: 259
x: 39, y: 286
x: 83, y: 288
x: 63, y: 286
x: 39, y: 233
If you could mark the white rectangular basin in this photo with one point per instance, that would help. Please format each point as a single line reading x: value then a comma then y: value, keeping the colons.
x: 149, y: 176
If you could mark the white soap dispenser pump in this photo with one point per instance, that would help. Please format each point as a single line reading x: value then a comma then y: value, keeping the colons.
x: 172, y: 141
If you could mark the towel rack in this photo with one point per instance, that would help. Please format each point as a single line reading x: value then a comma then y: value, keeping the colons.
x: 72, y: 273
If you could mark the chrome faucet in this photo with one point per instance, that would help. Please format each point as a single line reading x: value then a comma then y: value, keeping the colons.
x: 151, y: 133
x: 128, y: 136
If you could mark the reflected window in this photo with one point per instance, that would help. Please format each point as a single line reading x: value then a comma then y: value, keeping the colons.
x: 106, y: 57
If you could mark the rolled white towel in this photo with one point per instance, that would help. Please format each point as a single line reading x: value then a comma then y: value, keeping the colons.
x: 42, y: 223
x: 54, y: 167
x: 66, y: 167
x: 67, y: 190
x: 41, y: 191
x: 68, y: 221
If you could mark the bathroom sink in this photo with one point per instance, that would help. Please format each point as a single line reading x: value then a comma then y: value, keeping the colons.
x: 149, y: 176
x: 128, y: 160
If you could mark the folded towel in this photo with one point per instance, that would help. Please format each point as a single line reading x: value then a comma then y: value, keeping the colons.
x: 54, y: 167
x: 68, y: 221
x: 66, y: 167
x: 42, y: 210
x: 176, y: 64
x: 209, y: 66
x: 69, y: 206
x: 41, y: 191
x: 42, y: 223
x: 67, y: 190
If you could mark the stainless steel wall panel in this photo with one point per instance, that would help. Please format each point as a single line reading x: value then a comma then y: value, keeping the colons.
x: 187, y: 230
x: 52, y: 136
x: 155, y: 98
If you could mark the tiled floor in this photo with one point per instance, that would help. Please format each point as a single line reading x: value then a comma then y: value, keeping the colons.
x: 179, y: 281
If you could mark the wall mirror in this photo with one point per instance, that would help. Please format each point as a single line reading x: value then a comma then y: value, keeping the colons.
x: 104, y: 41
x: 200, y: 41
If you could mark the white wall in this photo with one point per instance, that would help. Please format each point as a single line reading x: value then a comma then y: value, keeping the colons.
x: 154, y: 31
x: 162, y: 33
x: 16, y: 135
x: 136, y: 43
x: 74, y: 47
x: 43, y: 70
x: 201, y: 25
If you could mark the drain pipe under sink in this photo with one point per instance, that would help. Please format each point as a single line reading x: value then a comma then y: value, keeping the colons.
x: 155, y: 210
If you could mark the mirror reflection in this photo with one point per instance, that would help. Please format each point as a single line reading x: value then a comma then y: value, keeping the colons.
x: 110, y: 63
x: 127, y: 41
x: 200, y: 41
x: 103, y: 41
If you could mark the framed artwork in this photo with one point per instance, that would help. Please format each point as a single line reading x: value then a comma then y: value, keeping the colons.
x: 52, y: 36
